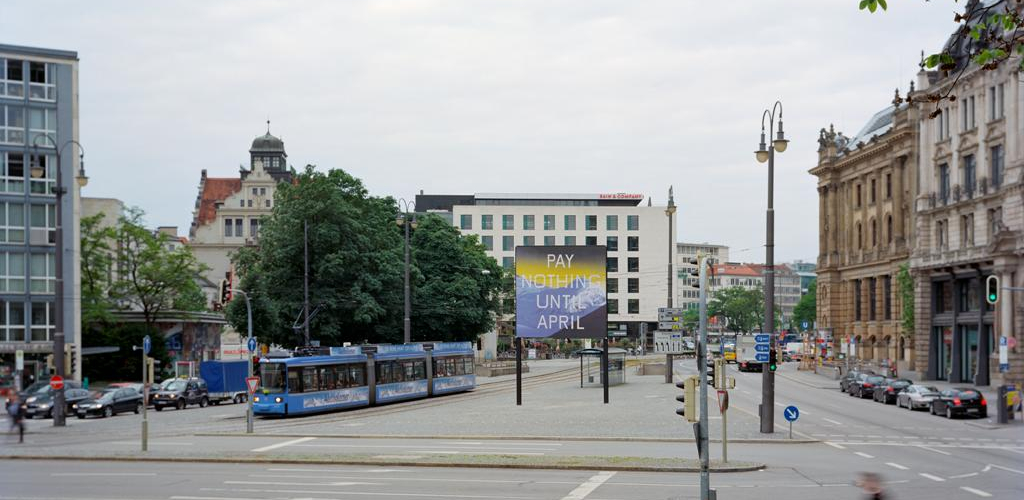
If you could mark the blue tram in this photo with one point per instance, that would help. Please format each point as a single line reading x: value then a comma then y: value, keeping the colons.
x: 350, y: 377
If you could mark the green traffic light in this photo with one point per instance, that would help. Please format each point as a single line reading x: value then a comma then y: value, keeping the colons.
x: 992, y: 297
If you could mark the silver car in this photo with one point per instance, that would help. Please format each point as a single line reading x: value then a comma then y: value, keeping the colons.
x: 916, y: 397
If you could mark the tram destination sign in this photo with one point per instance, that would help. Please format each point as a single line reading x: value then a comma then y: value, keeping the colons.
x: 560, y: 292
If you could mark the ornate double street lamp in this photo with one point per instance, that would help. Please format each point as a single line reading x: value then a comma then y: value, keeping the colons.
x: 38, y: 171
x: 767, y: 154
x: 407, y: 218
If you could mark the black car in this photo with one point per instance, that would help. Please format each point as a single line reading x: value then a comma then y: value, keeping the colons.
x: 863, y: 386
x: 886, y: 392
x: 41, y: 404
x: 110, y: 402
x: 960, y: 402
x: 181, y: 393
x: 43, y: 386
x: 844, y: 383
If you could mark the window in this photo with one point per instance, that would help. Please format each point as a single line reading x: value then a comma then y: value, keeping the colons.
x: 529, y: 241
x: 995, y: 219
x: 549, y: 222
x: 569, y: 241
x: 549, y: 241
x: 570, y: 223
x: 632, y: 223
x: 229, y: 228
x: 860, y: 237
x: 940, y: 233
x: 996, y: 166
x: 507, y: 243
x: 612, y: 264
x: 254, y: 228
x: 613, y: 243
x: 887, y: 296
x: 12, y: 272
x: 41, y: 77
x: 465, y: 221
x: 944, y: 182
x: 967, y: 230
x: 633, y: 264
x: 508, y: 263
x: 12, y: 172
x: 263, y: 191
x: 239, y: 228
x: 611, y: 222
x: 888, y: 186
x: 871, y: 194
x: 266, y: 203
x: 43, y: 273
x: 995, y: 102
x: 591, y: 222
x: 612, y: 285
x: 249, y: 203
x: 888, y: 228
x: 591, y: 241
x: 970, y: 175
x: 508, y: 222
x: 633, y: 243
x: 874, y: 233
x: 856, y: 300
x: 859, y: 198
x: 613, y: 306
x: 43, y: 216
x: 872, y: 296
x: 528, y: 222
x: 42, y: 122
x: 255, y: 191
x: 487, y: 242
x: 12, y: 321
x: 241, y: 203
x: 42, y: 321
x: 633, y: 285
x: 486, y: 222
x: 11, y: 78
x: 967, y: 114
x: 634, y: 306
x: 12, y: 125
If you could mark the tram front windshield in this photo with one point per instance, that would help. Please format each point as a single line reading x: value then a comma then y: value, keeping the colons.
x: 272, y: 377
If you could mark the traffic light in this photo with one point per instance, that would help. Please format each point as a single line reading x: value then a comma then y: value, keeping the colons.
x: 718, y: 376
x: 225, y: 290
x: 688, y: 398
x: 992, y: 290
x: 70, y: 365
x: 773, y: 360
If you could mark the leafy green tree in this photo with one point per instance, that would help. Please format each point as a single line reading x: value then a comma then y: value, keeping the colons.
x: 125, y: 364
x: 807, y: 308
x: 905, y: 287
x: 96, y: 260
x: 691, y: 319
x: 742, y: 309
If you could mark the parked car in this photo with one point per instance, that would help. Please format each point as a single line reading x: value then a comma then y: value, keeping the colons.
x: 864, y: 384
x: 43, y: 386
x: 844, y: 383
x: 886, y: 392
x: 41, y: 404
x: 960, y: 402
x: 916, y: 397
x: 109, y: 402
x: 180, y: 393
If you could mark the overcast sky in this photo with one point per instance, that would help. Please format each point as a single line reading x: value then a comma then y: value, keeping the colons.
x: 485, y: 96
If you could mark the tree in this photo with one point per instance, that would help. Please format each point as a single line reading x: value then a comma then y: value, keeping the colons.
x: 905, y: 287
x: 691, y: 319
x: 807, y: 308
x: 96, y: 265
x: 742, y: 309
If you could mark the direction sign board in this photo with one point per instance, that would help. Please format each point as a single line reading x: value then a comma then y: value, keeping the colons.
x: 56, y: 382
x: 762, y: 338
x: 147, y: 344
x: 761, y: 357
x: 762, y: 347
x: 670, y: 313
x: 252, y: 383
x: 669, y: 325
x: 19, y: 360
x: 791, y: 413
x: 252, y: 345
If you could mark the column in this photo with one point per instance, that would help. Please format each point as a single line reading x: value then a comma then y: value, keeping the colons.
x: 823, y: 226
x: 898, y: 199
x: 833, y: 219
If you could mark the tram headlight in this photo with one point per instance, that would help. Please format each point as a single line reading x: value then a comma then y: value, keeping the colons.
x: 256, y: 399
x: 278, y: 399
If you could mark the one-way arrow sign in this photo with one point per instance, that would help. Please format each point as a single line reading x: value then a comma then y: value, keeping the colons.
x: 762, y: 347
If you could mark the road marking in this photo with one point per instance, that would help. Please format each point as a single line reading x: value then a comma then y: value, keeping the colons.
x: 838, y: 446
x: 426, y: 447
x: 976, y: 492
x: 344, y: 493
x: 75, y: 474
x: 929, y: 476
x: 407, y: 478
x: 277, y: 483
x: 354, y: 471
x: 1007, y: 469
x: 831, y: 421
x: 159, y: 443
x: 282, y: 445
x: 213, y: 498
x: 589, y: 486
x: 936, y: 451
x: 897, y: 466
x: 862, y: 454
x: 961, y: 476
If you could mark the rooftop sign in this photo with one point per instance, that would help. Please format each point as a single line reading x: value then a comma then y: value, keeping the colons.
x: 620, y: 196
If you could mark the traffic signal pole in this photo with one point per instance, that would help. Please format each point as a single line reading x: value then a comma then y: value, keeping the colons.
x: 705, y: 479
x: 767, y: 410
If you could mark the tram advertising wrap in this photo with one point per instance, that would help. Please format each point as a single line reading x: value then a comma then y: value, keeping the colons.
x: 560, y: 292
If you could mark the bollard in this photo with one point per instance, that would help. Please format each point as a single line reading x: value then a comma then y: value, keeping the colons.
x: 1003, y: 405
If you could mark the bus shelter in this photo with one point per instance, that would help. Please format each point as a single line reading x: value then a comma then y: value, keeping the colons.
x: 590, y: 366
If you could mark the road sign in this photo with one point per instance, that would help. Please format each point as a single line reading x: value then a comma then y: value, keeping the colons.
x: 762, y: 338
x: 804, y: 325
x: 19, y: 360
x: 252, y: 383
x: 670, y: 325
x: 1004, y: 354
x: 761, y: 357
x: 251, y: 345
x: 762, y: 347
x: 791, y: 413
x: 56, y: 382
x: 147, y: 344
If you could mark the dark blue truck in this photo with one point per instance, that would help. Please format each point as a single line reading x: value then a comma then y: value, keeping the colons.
x: 225, y: 379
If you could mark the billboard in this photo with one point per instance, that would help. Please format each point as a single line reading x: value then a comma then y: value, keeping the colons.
x: 560, y: 292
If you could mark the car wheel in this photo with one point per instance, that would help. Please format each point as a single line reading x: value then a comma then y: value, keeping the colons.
x: 203, y: 402
x: 81, y: 417
x: 138, y: 408
x: 949, y: 412
x: 181, y: 404
x: 108, y: 412
x: 238, y: 398
x: 158, y: 407
x: 931, y: 409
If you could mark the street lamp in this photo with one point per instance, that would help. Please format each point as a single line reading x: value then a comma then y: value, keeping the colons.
x: 401, y: 220
x: 765, y: 154
x: 38, y: 171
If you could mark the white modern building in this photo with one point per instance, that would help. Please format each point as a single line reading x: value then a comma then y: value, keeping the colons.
x: 686, y: 295
x: 636, y: 235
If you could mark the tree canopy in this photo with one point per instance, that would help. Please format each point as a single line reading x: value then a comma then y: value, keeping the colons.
x: 742, y: 309
x: 807, y: 308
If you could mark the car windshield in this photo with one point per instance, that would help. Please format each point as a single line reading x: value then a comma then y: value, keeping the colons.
x: 969, y: 395
x: 175, y: 385
x: 165, y: 383
x: 875, y: 380
x: 272, y: 377
x: 38, y: 388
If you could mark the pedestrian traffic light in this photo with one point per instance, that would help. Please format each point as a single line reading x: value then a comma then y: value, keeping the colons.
x: 688, y: 398
x: 992, y: 290
x: 773, y: 360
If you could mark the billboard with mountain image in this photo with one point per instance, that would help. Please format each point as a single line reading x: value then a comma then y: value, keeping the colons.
x: 560, y: 292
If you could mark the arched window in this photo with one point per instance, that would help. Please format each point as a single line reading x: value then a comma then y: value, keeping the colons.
x: 888, y: 227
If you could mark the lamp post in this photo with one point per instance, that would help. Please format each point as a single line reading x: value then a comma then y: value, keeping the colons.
x: 767, y: 154
x: 404, y: 219
x: 38, y: 171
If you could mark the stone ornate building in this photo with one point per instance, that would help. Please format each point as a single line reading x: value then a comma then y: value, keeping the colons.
x: 969, y: 218
x: 866, y: 186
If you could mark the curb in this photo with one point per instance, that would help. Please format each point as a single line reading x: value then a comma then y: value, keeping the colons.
x: 517, y: 438
x: 746, y: 467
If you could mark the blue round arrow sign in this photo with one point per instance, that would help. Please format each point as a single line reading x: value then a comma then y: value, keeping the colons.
x: 791, y: 413
x: 252, y: 344
x: 147, y: 344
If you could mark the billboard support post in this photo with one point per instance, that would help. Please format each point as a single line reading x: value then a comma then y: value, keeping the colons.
x: 604, y: 368
x: 519, y: 371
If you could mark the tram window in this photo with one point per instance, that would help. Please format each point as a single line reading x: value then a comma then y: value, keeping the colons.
x: 356, y: 375
x: 409, y: 375
x: 294, y: 380
x: 419, y: 370
x: 469, y: 367
x: 310, y: 380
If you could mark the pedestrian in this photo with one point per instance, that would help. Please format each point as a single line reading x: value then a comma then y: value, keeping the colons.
x: 16, y: 410
x: 871, y: 484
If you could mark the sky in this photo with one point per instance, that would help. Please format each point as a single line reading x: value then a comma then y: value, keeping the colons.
x: 460, y: 97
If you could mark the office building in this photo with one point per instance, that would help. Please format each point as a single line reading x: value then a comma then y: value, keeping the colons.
x: 687, y: 295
